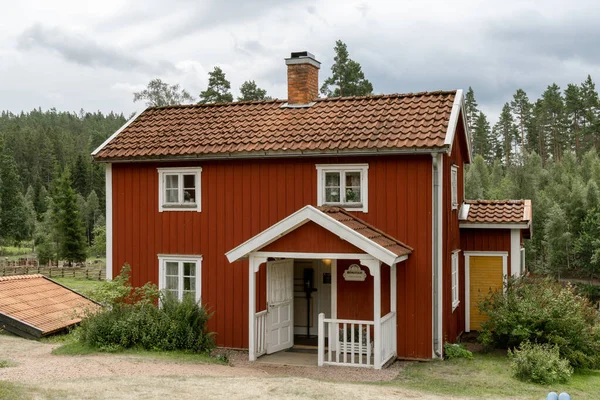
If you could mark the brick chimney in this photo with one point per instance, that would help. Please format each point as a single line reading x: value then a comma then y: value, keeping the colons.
x: 303, y: 79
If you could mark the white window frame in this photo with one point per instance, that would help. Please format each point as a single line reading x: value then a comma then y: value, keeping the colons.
x: 180, y: 259
x: 455, y: 280
x: 162, y: 174
x: 322, y: 169
x: 454, y: 186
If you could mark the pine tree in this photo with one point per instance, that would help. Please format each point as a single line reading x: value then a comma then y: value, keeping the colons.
x: 482, y: 140
x: 159, y: 94
x: 249, y: 92
x: 521, y: 107
x: 218, y: 88
x: 471, y: 109
x: 81, y: 175
x: 557, y: 234
x: 506, y: 131
x: 69, y: 222
x: 591, y: 106
x: 346, y: 75
x: 12, y: 209
x: 47, y: 237
x: 554, y: 110
x: 574, y: 111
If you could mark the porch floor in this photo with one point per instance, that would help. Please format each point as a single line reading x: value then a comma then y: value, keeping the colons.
x: 296, y: 358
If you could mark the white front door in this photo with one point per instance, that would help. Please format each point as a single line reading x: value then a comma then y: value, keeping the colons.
x: 280, y: 301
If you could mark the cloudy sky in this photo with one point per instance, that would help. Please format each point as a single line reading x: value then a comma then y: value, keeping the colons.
x: 73, y: 54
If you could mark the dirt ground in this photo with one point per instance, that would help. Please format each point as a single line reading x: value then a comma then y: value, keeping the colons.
x: 113, y: 376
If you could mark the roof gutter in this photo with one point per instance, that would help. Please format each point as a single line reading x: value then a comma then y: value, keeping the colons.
x: 269, y: 154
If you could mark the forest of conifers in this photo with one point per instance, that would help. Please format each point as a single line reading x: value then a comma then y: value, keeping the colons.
x: 541, y: 149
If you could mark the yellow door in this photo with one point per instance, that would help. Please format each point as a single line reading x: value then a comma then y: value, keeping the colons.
x: 485, y: 273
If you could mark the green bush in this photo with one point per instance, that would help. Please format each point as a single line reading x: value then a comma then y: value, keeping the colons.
x: 542, y: 311
x: 455, y: 350
x: 133, y: 319
x: 539, y: 363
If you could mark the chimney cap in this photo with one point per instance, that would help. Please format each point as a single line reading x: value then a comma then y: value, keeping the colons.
x: 302, y: 57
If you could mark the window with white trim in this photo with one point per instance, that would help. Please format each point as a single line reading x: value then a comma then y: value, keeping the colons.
x: 179, y: 189
x: 455, y: 280
x: 343, y: 185
x: 454, y: 183
x: 180, y: 275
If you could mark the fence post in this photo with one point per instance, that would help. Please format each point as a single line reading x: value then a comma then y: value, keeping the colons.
x: 321, y: 339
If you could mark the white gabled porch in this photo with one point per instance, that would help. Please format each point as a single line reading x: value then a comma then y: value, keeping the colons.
x: 353, y: 342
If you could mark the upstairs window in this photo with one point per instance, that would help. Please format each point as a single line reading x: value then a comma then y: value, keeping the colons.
x: 180, y: 275
x: 343, y: 186
x: 454, y: 183
x: 455, y: 280
x: 179, y: 189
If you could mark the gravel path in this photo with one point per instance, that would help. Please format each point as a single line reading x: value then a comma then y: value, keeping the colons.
x: 104, y: 376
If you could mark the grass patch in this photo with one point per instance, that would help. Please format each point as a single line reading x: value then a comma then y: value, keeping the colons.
x: 12, y: 391
x: 73, y: 347
x: 6, y: 364
x: 489, y: 376
x: 83, y: 286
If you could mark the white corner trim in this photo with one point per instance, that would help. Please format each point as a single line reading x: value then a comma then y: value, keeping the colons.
x: 109, y: 221
x: 163, y: 258
x: 463, y: 214
x: 197, y: 171
x: 468, y: 255
x: 111, y: 137
x: 515, y: 252
x: 364, y: 184
x: 299, y: 218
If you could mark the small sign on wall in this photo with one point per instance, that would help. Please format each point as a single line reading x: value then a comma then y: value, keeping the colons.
x: 355, y: 273
x: 327, y: 278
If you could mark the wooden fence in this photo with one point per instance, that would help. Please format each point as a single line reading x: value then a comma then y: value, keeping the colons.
x: 96, y: 272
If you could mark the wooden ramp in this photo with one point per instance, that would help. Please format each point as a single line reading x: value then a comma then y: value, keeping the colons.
x: 33, y: 306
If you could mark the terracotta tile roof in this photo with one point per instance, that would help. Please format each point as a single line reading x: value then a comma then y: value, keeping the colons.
x: 368, y: 231
x: 497, y: 211
x: 39, y: 302
x: 383, y: 122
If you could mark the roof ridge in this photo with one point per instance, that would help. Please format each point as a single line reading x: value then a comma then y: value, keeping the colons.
x: 320, y: 99
x: 18, y: 277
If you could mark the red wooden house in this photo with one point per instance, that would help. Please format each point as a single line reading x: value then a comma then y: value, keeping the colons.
x: 340, y: 219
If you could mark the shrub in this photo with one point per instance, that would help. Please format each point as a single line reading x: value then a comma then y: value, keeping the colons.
x: 542, y: 311
x: 455, y: 350
x: 539, y: 363
x: 133, y: 319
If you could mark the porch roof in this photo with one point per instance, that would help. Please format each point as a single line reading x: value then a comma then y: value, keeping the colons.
x: 336, y: 220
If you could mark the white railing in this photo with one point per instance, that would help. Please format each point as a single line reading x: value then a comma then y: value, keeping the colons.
x: 350, y: 342
x: 260, y: 333
x: 388, y: 337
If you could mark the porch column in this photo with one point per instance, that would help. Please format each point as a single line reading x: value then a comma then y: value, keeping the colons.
x: 254, y: 265
x: 375, y: 270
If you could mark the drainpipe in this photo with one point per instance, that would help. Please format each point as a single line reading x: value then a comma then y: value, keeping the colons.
x: 436, y: 255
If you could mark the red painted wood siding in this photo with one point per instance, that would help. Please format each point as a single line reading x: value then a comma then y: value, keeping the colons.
x: 486, y: 240
x: 355, y: 299
x: 452, y: 320
x: 241, y: 198
x: 312, y: 238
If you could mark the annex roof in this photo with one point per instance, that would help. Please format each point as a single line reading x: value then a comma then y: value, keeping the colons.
x: 496, y: 214
x: 33, y: 306
x: 410, y: 122
x: 338, y: 221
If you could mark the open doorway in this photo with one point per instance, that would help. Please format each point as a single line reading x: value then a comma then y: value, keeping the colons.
x: 312, y: 295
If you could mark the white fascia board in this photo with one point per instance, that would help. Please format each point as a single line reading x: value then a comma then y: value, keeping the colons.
x: 107, y: 141
x: 493, y: 226
x: 269, y: 235
x: 302, y: 216
x: 463, y: 214
x: 458, y: 108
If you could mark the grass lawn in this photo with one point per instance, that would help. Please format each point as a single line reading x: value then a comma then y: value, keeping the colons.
x: 74, y: 348
x: 14, y: 253
x: 83, y: 286
x: 489, y: 376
